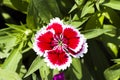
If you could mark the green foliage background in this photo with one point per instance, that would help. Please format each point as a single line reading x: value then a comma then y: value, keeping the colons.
x: 98, y: 20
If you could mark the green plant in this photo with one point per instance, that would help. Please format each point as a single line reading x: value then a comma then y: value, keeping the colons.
x: 98, y: 20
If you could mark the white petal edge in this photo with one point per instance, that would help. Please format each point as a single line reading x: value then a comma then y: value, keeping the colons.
x: 62, y: 67
x: 56, y: 20
x: 36, y: 49
x: 39, y: 33
x: 81, y: 39
x: 82, y: 52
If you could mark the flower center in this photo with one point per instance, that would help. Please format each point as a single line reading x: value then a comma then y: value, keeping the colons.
x: 59, y: 42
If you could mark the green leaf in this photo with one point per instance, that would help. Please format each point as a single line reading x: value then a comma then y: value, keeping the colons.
x: 79, y: 2
x: 116, y: 60
x: 45, y: 72
x: 6, y: 44
x: 111, y: 39
x: 36, y: 64
x: 112, y: 16
x: 73, y: 8
x: 94, y: 21
x: 86, y: 73
x: 55, y: 71
x: 115, y: 4
x: 22, y: 71
x: 8, y: 75
x: 20, y: 5
x: 20, y: 28
x: 112, y: 32
x: 97, y: 5
x: 34, y: 77
x: 77, y: 68
x: 78, y: 23
x: 41, y: 10
x: 69, y: 74
x: 2, y: 55
x: 94, y: 33
x: 11, y: 63
x: 112, y: 73
x: 96, y: 60
x: 87, y: 9
x: 113, y: 48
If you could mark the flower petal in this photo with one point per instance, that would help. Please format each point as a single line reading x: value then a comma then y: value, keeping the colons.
x: 57, y: 59
x: 56, y: 24
x: 75, y: 39
x: 46, y: 37
x: 77, y: 42
x: 43, y: 41
x: 73, y: 42
x: 44, y: 46
x: 70, y: 32
x: 81, y: 52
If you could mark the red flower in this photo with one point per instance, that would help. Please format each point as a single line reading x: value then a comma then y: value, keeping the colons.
x: 58, y: 42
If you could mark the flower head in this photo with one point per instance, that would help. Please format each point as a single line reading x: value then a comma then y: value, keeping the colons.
x: 58, y: 42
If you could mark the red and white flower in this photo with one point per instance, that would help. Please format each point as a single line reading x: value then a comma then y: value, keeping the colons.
x: 58, y: 43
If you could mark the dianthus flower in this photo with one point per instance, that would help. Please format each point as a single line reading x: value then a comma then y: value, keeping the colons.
x: 58, y: 43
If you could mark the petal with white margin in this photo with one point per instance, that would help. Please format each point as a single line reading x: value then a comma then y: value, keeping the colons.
x: 57, y: 59
x: 42, y: 41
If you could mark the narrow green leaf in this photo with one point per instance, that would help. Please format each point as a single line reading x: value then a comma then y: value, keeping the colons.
x: 87, y: 9
x: 22, y: 71
x: 113, y: 48
x: 115, y: 4
x: 116, y: 60
x: 97, y: 5
x: 8, y: 75
x: 112, y: 32
x: 101, y: 19
x: 77, y: 68
x: 20, y: 28
x: 4, y: 29
x: 95, y: 33
x: 6, y: 44
x: 112, y: 73
x: 45, y: 72
x: 11, y: 63
x: 36, y: 64
x: 78, y: 23
x: 73, y: 8
x: 34, y: 77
